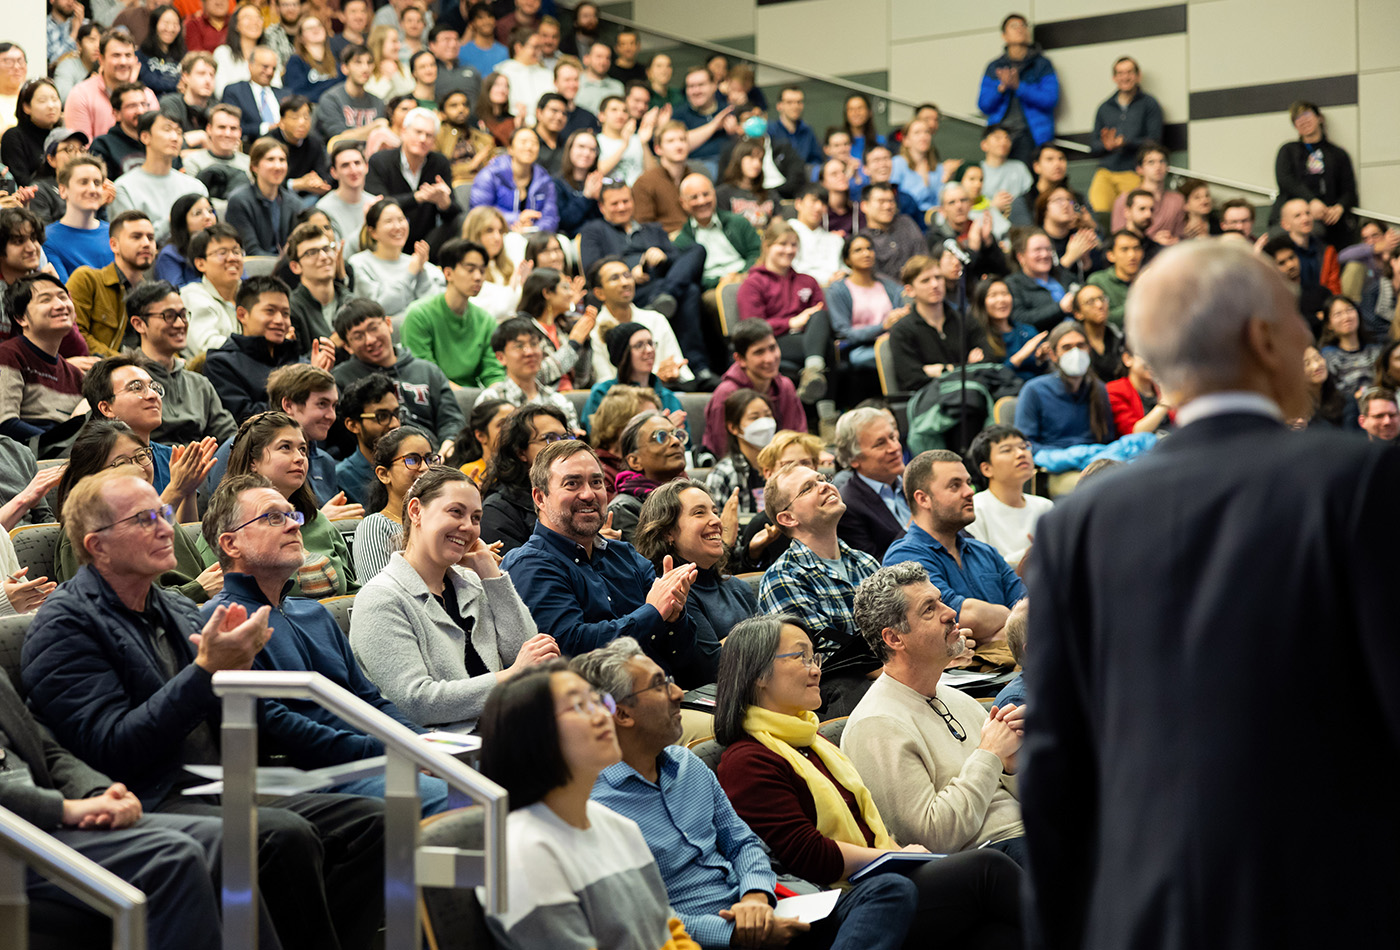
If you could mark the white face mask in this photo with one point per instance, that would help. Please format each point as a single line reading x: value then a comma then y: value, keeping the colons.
x: 1075, y: 363
x: 760, y: 432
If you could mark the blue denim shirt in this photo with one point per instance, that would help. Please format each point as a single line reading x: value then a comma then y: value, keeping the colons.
x: 984, y: 574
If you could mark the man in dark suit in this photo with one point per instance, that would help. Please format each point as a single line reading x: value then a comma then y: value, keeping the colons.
x: 1178, y: 736
x: 877, y: 511
x: 255, y: 97
x: 433, y: 215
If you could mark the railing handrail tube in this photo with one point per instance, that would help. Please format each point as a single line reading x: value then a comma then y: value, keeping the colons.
x: 79, y: 875
x: 1269, y: 194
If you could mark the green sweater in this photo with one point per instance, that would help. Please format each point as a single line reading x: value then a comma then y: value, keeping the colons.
x: 189, y: 564
x: 1115, y: 290
x: 459, y: 345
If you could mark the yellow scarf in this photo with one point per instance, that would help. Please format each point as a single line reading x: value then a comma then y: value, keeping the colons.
x: 784, y: 735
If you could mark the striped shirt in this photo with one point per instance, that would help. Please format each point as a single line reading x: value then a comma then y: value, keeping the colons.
x: 708, y: 857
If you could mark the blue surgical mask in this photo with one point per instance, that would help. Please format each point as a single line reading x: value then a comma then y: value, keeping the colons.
x: 755, y: 127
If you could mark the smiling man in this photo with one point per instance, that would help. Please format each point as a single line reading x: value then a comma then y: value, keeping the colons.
x: 516, y: 343
x: 99, y: 296
x: 974, y: 578
x: 192, y: 408
x: 867, y: 442
x: 588, y: 591
x: 1006, y: 515
x: 757, y: 360
x: 38, y: 390
x: 154, y: 186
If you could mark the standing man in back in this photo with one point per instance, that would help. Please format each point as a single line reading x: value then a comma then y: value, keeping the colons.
x: 1202, y: 581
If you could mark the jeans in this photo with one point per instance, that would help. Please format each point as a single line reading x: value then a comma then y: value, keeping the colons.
x: 432, y: 792
x: 872, y: 915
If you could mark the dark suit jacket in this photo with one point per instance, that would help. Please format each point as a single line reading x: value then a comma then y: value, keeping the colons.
x: 241, y: 94
x: 867, y: 524
x: 785, y: 157
x: 1181, y: 613
x: 386, y: 179
x: 57, y: 773
x: 262, y: 235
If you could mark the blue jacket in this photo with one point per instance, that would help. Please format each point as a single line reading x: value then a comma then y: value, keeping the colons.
x: 306, y: 638
x: 1039, y: 92
x: 494, y: 186
x: 575, y: 208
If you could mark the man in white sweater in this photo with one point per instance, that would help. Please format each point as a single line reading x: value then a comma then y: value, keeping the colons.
x: 939, y: 767
x: 1006, y: 515
x: 154, y: 186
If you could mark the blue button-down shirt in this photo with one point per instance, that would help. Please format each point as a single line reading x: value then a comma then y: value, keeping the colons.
x: 891, y: 495
x: 585, y: 601
x: 706, y: 854
x: 984, y: 574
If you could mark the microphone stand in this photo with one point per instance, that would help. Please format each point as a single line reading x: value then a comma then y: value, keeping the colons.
x: 962, y: 389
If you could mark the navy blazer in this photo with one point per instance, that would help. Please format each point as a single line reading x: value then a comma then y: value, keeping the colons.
x: 241, y: 94
x: 867, y: 524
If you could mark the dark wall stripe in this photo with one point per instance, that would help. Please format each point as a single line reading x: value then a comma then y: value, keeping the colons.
x: 1174, y: 137
x: 1273, y: 97
x: 1111, y: 27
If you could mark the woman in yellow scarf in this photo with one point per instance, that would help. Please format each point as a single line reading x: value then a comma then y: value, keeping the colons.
x: 804, y: 798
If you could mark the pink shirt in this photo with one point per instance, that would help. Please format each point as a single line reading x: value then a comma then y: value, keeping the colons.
x: 88, y: 110
x: 868, y: 304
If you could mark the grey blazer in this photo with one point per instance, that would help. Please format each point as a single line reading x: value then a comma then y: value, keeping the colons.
x: 408, y: 645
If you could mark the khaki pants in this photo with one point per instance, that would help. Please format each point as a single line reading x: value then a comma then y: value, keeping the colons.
x: 1107, y: 186
x: 696, y: 725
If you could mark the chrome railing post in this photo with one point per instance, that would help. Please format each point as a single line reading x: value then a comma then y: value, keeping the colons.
x: 401, y: 814
x: 239, y: 737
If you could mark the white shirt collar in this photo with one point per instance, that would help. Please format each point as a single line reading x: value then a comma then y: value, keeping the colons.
x: 1218, y: 404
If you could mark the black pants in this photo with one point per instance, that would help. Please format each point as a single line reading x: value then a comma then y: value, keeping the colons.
x: 682, y: 281
x: 970, y: 900
x: 812, y: 340
x: 320, y: 866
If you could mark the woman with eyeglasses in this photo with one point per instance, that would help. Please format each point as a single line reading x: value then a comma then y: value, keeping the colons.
x: 273, y: 445
x: 383, y: 272
x: 805, y: 799
x: 400, y: 456
x: 440, y: 625
x: 574, y: 864
x: 508, y: 513
x: 633, y: 351
x: 682, y: 521
x: 612, y: 415
x: 107, y: 443
x: 653, y: 448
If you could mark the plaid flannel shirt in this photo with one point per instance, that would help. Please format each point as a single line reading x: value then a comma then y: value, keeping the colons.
x: 799, y: 583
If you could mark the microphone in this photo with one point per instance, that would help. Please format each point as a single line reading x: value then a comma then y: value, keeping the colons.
x: 951, y: 246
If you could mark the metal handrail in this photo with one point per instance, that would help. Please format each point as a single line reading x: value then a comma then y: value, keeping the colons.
x: 23, y: 845
x: 405, y: 864
x: 1269, y: 194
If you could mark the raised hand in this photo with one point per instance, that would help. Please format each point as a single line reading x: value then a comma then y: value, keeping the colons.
x: 418, y: 258
x: 608, y: 531
x: 729, y: 519
x: 323, y: 353
x: 338, y: 507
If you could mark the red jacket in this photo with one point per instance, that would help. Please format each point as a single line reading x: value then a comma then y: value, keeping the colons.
x: 1126, y: 405
x: 777, y: 298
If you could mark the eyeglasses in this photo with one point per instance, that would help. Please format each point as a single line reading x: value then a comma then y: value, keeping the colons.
x: 169, y: 316
x: 138, y: 387
x: 590, y: 704
x: 415, y: 459
x: 224, y: 255
x: 383, y: 416
x: 954, y: 727
x: 549, y: 438
x: 274, y: 519
x: 665, y: 684
x: 663, y: 436
x: 139, y: 457
x: 144, y: 519
x: 328, y: 250
x: 813, y: 661
x: 809, y: 487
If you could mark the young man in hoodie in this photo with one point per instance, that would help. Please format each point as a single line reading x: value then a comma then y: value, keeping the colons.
x: 1020, y: 90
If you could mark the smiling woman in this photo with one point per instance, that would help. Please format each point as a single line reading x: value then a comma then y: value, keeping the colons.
x: 440, y: 625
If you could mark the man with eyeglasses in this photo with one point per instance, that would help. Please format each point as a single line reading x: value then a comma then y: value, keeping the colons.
x: 424, y: 389
x: 370, y: 409
x: 974, y: 578
x: 1125, y: 253
x: 313, y: 254
x: 239, y: 369
x: 192, y: 409
x: 516, y: 343
x: 585, y: 590
x: 120, y: 670
x: 938, y: 766
x: 39, y: 390
x: 217, y: 254
x: 815, y: 579
x: 256, y: 534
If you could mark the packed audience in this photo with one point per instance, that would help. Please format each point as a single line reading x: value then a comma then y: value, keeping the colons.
x: 307, y: 301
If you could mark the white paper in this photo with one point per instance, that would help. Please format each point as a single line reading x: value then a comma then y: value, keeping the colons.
x: 284, y: 780
x: 453, y: 743
x: 808, y: 908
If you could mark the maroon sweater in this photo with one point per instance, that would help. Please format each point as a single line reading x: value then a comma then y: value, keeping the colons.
x: 775, y: 802
x: 777, y: 298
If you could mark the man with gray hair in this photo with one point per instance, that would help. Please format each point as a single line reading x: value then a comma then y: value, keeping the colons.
x: 419, y: 179
x: 716, y: 872
x: 937, y: 765
x: 877, y: 513
x: 1200, y: 583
